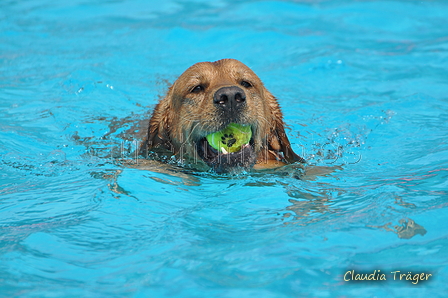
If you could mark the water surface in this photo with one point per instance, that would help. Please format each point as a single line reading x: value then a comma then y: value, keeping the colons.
x: 363, y: 86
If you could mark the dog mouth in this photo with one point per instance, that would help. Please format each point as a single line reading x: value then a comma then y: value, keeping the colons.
x: 228, y: 149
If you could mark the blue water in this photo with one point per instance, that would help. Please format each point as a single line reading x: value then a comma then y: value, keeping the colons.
x: 364, y: 90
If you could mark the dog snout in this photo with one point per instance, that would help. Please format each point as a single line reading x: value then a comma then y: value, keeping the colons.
x: 229, y: 98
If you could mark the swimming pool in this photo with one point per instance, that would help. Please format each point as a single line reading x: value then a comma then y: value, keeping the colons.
x: 363, y: 86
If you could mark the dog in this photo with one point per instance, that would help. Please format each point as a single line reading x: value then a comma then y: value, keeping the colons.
x: 205, y: 99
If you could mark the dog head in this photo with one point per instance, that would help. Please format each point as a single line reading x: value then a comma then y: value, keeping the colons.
x: 208, y: 97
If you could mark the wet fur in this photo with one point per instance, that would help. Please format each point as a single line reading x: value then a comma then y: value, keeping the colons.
x: 183, y: 117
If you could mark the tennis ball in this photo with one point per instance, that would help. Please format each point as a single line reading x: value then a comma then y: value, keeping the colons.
x: 231, y: 138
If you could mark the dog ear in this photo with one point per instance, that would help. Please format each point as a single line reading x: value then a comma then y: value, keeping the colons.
x: 158, y: 136
x: 278, y: 142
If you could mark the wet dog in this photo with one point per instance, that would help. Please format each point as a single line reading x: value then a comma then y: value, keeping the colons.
x: 207, y: 98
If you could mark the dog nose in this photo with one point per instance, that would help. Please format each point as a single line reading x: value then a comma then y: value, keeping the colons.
x: 229, y: 98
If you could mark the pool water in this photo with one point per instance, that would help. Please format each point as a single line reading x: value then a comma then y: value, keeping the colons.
x: 364, y: 91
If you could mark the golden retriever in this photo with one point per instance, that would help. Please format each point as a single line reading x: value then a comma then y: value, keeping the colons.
x: 206, y: 98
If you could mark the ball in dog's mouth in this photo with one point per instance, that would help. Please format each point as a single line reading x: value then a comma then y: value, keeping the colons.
x: 229, y: 148
x: 231, y: 139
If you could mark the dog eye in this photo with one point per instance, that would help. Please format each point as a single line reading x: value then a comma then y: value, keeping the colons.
x: 246, y: 84
x: 197, y: 89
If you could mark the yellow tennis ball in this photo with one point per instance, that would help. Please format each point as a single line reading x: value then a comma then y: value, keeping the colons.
x: 230, y: 138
